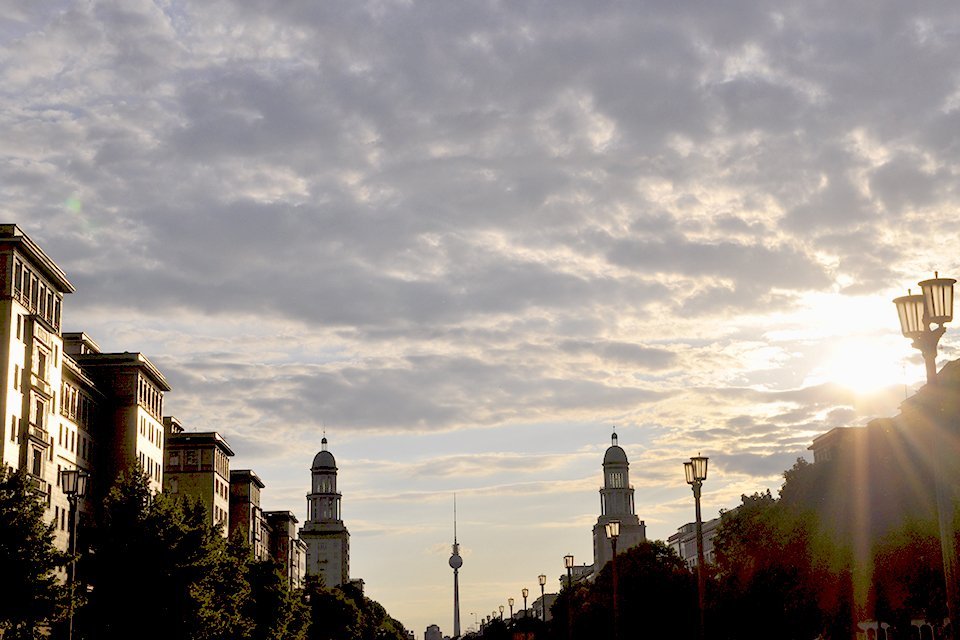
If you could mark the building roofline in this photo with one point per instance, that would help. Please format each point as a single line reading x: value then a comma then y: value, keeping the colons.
x: 204, y: 437
x: 125, y: 359
x: 11, y: 234
x: 247, y: 473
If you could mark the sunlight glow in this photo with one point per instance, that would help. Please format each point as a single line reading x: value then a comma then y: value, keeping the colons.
x: 863, y: 365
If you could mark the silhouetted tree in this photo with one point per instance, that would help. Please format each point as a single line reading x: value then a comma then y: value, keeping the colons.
x: 161, y: 569
x: 276, y: 612
x: 29, y: 561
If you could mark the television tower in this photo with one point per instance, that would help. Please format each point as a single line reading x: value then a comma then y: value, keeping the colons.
x: 455, y: 563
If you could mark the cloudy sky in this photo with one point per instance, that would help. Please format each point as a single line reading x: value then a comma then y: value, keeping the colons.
x: 469, y: 237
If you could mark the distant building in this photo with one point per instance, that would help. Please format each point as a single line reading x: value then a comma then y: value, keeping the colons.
x: 246, y: 516
x: 326, y: 537
x: 198, y: 465
x: 616, y: 503
x: 542, y: 605
x: 285, y: 547
x: 684, y: 542
x: 432, y: 633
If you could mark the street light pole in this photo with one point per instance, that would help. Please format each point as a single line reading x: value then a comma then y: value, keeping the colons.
x: 525, y: 593
x: 568, y: 563
x: 696, y: 472
x: 917, y: 313
x: 501, y: 613
x: 74, y: 485
x: 613, y: 532
x: 543, y: 599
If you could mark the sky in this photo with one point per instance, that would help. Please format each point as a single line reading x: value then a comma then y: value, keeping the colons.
x: 468, y: 238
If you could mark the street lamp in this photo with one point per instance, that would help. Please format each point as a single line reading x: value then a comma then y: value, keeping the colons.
x: 696, y: 472
x: 74, y: 485
x: 917, y: 312
x: 501, y: 612
x: 613, y: 532
x: 525, y: 593
x: 510, y: 602
x: 568, y: 563
x: 543, y: 600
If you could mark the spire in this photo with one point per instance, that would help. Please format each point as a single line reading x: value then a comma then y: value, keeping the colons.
x: 454, y: 520
x: 613, y: 438
x: 323, y: 443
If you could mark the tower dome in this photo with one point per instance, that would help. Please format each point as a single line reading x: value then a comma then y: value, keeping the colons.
x: 615, y: 454
x: 324, y: 459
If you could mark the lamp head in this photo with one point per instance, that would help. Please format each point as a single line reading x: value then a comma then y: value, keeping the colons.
x: 613, y: 529
x: 911, y: 311
x: 699, y: 467
x: 525, y: 592
x: 74, y: 482
x: 542, y: 579
x: 568, y: 561
x: 688, y: 472
x: 938, y: 299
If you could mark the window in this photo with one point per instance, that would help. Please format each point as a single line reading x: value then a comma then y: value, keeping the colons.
x: 16, y: 376
x: 37, y: 467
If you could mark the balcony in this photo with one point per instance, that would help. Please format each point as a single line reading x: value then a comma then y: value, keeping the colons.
x: 36, y: 485
x: 39, y: 434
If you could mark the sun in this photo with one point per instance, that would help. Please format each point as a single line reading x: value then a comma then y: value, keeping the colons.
x: 864, y: 365
x: 858, y: 344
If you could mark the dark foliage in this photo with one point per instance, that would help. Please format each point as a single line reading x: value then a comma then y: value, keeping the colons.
x: 28, y: 562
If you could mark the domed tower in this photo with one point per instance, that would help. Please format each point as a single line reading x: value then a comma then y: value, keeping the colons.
x: 616, y: 503
x: 326, y: 537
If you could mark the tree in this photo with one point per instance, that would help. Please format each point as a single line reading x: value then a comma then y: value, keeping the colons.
x: 158, y: 559
x: 657, y: 597
x: 29, y: 561
x: 276, y: 612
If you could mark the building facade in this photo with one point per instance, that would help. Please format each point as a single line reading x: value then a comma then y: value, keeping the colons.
x: 286, y: 547
x: 197, y: 464
x: 246, y: 516
x: 64, y: 404
x: 684, y: 542
x: 326, y: 537
x: 616, y: 503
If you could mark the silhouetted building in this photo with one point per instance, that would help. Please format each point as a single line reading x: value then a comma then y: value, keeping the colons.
x: 616, y: 503
x: 326, y: 537
x: 543, y: 603
x: 432, y: 633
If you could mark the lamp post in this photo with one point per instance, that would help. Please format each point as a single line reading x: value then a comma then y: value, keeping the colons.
x: 568, y: 563
x: 501, y: 612
x: 917, y: 312
x: 525, y: 593
x: 510, y: 602
x: 74, y: 485
x: 543, y: 599
x: 696, y: 472
x: 613, y: 532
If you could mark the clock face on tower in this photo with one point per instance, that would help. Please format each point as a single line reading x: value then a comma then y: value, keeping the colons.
x: 456, y: 561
